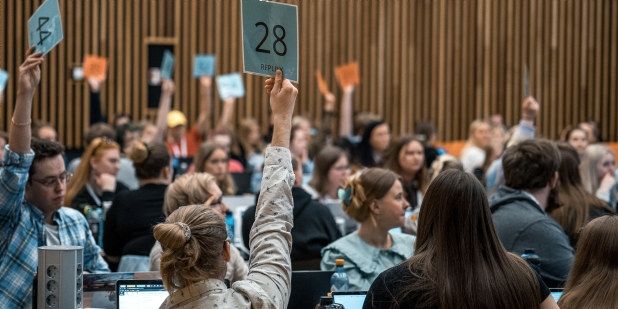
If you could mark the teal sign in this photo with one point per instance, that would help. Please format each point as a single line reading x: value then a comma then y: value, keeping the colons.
x: 270, y: 38
x: 45, y: 27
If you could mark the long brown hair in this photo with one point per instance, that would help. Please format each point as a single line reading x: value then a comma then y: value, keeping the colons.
x: 593, y: 280
x: 203, y: 153
x: 95, y: 150
x: 193, y: 238
x: 392, y: 161
x: 459, y: 261
x: 574, y: 202
x: 323, y: 162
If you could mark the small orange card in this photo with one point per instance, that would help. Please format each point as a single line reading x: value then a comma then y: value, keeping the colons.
x: 348, y: 74
x: 322, y: 86
x: 95, y: 66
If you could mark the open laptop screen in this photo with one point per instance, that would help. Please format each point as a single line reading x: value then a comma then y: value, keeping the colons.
x: 350, y: 299
x: 140, y: 294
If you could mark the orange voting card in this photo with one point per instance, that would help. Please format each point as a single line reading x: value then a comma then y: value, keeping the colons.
x: 322, y: 86
x: 95, y: 66
x: 348, y: 74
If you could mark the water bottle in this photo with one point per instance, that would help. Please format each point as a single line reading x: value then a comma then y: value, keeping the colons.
x: 532, y: 258
x: 339, y: 281
x: 229, y: 222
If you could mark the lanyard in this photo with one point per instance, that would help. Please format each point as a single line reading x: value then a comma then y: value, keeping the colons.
x: 180, y: 152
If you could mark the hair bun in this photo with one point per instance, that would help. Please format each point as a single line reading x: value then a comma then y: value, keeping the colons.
x: 170, y: 235
x: 139, y: 152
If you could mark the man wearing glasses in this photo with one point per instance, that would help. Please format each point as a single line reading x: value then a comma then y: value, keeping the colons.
x: 32, y: 188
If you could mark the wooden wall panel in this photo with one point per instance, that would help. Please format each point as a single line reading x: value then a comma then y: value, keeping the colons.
x: 450, y: 61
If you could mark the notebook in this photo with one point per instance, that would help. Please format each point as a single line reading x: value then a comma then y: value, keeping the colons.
x: 140, y: 294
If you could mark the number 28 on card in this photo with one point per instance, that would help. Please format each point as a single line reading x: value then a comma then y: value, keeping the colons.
x: 270, y: 38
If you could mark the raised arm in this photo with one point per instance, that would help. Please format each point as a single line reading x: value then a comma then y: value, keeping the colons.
x: 165, y: 104
x: 228, y: 113
x: 203, y: 120
x: 270, y: 240
x: 96, y: 114
x: 345, y: 119
x: 526, y: 129
x: 29, y: 77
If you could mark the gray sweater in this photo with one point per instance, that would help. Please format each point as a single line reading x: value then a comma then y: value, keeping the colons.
x: 522, y: 224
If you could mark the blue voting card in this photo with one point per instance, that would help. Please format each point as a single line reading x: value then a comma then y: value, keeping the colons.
x: 230, y: 86
x: 45, y: 27
x: 203, y: 65
x: 167, y: 65
x: 4, y: 77
x: 270, y: 38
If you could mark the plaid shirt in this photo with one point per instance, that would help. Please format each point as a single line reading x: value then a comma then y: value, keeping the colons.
x: 22, y: 231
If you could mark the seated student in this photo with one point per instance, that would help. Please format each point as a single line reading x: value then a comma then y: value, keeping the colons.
x: 473, y: 154
x: 598, y: 169
x: 195, y: 238
x: 44, y: 130
x: 128, y: 223
x: 577, y: 138
x: 4, y: 139
x: 592, y: 282
x: 315, y: 230
x: 198, y: 188
x: 332, y: 168
x: 213, y: 158
x: 575, y: 206
x: 519, y: 208
x: 32, y: 189
x: 459, y: 261
x: 375, y: 198
x: 126, y: 171
x: 375, y: 141
x: 93, y: 187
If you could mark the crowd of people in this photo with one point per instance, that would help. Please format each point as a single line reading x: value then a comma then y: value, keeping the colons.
x: 416, y: 226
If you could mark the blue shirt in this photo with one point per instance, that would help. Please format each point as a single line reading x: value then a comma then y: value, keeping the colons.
x: 22, y: 231
x: 363, y: 262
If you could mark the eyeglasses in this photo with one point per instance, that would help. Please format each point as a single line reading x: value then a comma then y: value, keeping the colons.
x: 51, y: 180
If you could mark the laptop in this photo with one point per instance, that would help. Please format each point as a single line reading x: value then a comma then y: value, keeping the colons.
x: 307, y: 288
x: 350, y: 300
x: 140, y: 294
x: 556, y: 293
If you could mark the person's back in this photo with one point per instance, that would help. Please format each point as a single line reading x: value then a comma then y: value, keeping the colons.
x: 459, y: 261
x: 318, y: 229
x: 195, y: 237
x: 518, y: 208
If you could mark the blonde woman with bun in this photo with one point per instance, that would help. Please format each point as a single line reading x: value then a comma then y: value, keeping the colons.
x: 375, y: 198
x: 195, y: 189
x: 194, y: 238
x: 133, y: 214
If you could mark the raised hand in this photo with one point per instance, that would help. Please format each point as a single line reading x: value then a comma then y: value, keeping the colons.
x: 107, y: 182
x: 282, y: 100
x: 529, y: 108
x: 168, y: 87
x: 95, y: 83
x: 30, y: 72
x: 206, y: 81
x: 282, y: 96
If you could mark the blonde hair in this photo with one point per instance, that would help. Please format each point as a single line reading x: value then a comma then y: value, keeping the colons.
x: 364, y: 188
x: 95, y: 149
x: 193, y: 239
x: 188, y: 189
x: 588, y: 167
